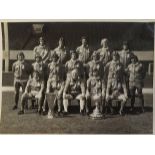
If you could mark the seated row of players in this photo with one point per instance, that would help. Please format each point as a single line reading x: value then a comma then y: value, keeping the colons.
x: 100, y: 77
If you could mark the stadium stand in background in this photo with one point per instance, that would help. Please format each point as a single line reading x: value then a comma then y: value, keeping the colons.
x: 24, y: 36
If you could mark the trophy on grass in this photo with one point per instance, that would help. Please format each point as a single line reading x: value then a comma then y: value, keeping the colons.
x: 52, y: 102
x: 97, y: 114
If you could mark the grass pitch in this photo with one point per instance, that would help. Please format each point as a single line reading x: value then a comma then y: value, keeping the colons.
x: 32, y: 123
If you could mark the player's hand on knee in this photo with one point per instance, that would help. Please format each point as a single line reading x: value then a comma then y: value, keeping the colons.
x: 87, y: 95
x: 107, y: 97
x: 47, y: 91
x: 126, y: 96
x: 82, y: 96
x: 38, y: 95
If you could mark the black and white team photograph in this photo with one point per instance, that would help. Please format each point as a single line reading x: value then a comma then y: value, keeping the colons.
x: 77, y: 77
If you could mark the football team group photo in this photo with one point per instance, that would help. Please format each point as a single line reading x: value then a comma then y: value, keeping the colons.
x: 77, y: 77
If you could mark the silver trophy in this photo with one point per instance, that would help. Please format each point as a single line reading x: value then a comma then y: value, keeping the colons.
x: 51, y: 99
x: 97, y: 111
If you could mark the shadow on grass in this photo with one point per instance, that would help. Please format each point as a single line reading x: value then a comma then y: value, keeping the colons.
x: 138, y: 111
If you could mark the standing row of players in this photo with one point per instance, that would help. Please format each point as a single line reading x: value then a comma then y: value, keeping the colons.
x: 100, y: 77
